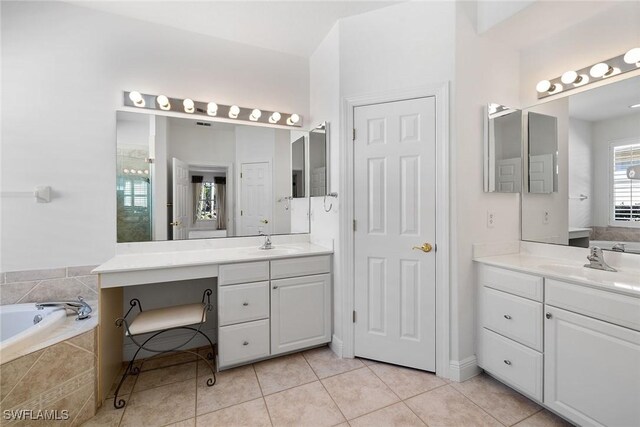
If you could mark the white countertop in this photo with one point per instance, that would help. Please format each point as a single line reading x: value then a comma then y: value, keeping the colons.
x: 624, y: 281
x: 202, y: 257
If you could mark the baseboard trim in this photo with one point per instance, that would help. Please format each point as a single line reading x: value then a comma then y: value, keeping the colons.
x: 462, y: 370
x: 172, y: 341
x: 336, y: 345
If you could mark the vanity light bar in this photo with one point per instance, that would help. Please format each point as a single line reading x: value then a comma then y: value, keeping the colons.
x: 210, y: 109
x: 572, y: 79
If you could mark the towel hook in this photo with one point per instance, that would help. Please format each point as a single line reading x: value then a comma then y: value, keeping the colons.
x: 324, y: 203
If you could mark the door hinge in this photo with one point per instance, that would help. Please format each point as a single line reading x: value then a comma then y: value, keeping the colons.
x: 354, y: 225
x: 149, y: 160
x: 240, y: 174
x: 354, y: 134
x: 354, y: 316
x: 241, y: 213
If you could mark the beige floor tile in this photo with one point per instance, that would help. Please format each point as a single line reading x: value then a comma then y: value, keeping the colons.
x: 446, y: 407
x: 127, y: 386
x: 284, y: 372
x: 395, y: 415
x: 359, y: 392
x: 503, y: 403
x: 308, y: 405
x: 544, y: 418
x: 233, y: 386
x: 161, y: 405
x: 367, y: 362
x: 326, y: 363
x: 344, y: 424
x: 406, y: 382
x: 163, y: 361
x: 106, y: 416
x: 253, y: 413
x: 191, y: 422
x: 164, y: 376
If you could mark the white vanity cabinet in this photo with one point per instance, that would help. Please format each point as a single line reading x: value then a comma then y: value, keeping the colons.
x: 268, y: 308
x: 573, y: 348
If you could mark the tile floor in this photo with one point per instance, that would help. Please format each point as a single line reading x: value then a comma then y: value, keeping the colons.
x: 315, y: 388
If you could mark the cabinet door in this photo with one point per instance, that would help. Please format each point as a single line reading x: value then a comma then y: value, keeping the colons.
x: 592, y: 370
x: 300, y: 312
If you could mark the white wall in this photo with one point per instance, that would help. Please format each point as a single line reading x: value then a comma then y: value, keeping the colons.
x: 603, y: 133
x: 282, y: 181
x: 64, y: 68
x: 200, y: 145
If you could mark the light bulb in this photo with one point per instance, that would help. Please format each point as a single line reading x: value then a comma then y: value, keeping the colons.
x: 136, y: 98
x: 600, y: 70
x: 569, y: 77
x: 255, y: 115
x: 634, y: 106
x: 146, y: 171
x: 234, y: 111
x: 163, y: 102
x: 293, y: 119
x: 543, y: 86
x: 275, y: 117
x: 212, y: 108
x: 125, y: 170
x: 188, y: 105
x: 633, y: 56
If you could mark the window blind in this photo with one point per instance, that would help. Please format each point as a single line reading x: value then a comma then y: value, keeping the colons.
x: 626, y: 192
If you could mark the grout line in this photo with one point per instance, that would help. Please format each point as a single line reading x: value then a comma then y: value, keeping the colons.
x: 334, y: 402
x: 26, y: 372
x: 476, y: 405
x: 267, y: 408
x: 253, y: 365
x: 527, y: 417
x: 385, y: 384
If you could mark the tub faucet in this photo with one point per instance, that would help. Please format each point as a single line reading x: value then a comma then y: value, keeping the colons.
x: 267, y: 237
x: 618, y: 247
x: 596, y: 260
x: 80, y: 307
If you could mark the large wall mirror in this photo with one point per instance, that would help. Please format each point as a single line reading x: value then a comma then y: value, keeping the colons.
x: 187, y: 179
x: 594, y: 199
x: 319, y: 160
x: 503, y: 150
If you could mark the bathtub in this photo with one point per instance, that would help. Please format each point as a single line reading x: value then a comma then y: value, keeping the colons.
x: 22, y: 325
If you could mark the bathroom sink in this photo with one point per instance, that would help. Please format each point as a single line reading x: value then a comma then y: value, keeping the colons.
x: 276, y: 251
x: 569, y: 270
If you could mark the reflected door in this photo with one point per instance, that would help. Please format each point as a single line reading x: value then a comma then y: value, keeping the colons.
x: 255, y: 199
x: 180, y: 206
x: 395, y: 210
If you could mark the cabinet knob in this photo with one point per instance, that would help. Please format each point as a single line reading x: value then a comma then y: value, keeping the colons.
x: 275, y: 287
x: 245, y: 304
x: 245, y: 343
x: 548, y: 316
x: 506, y: 316
x: 507, y: 362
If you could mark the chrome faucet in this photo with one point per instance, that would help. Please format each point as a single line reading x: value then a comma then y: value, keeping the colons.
x: 267, y: 237
x: 596, y: 260
x: 80, y: 307
x: 618, y: 247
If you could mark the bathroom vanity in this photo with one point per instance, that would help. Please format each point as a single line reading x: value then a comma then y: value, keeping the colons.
x: 562, y: 334
x: 269, y: 302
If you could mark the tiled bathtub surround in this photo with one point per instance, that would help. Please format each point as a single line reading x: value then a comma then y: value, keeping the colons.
x: 55, y: 284
x: 616, y: 234
x: 59, y: 377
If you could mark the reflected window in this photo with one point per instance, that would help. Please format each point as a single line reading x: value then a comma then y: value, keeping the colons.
x: 625, y: 192
x: 206, y: 206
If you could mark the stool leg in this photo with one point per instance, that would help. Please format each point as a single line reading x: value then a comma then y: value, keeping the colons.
x: 119, y: 403
x: 210, y: 381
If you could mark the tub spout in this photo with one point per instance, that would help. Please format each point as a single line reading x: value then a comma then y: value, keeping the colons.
x: 80, y: 307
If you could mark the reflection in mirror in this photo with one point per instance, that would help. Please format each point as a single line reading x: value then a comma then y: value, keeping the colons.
x: 318, y: 160
x: 599, y: 136
x: 187, y: 179
x: 298, y: 168
x: 543, y: 153
x: 503, y: 150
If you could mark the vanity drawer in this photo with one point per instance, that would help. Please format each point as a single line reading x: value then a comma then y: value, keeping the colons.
x: 303, y: 266
x: 515, y: 364
x: 514, y: 317
x: 521, y: 284
x: 243, y: 342
x: 608, y: 306
x: 243, y: 303
x: 245, y: 272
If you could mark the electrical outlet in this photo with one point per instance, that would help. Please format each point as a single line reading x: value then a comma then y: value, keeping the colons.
x: 491, y: 219
x: 545, y: 220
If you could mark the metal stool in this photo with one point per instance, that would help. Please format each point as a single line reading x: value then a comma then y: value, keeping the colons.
x: 159, y: 321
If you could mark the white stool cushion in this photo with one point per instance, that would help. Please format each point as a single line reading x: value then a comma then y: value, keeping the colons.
x: 167, y: 317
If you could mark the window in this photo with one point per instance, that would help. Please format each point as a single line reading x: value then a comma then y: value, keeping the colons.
x: 625, y: 192
x: 206, y: 206
x: 135, y: 193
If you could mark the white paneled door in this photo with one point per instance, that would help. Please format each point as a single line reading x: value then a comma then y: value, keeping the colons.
x: 395, y: 213
x: 180, y: 205
x: 255, y: 199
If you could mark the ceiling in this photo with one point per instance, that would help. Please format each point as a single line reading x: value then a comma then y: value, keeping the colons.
x: 294, y: 27
x: 605, y: 102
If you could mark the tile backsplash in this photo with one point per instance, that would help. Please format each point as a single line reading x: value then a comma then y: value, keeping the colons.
x: 54, y: 284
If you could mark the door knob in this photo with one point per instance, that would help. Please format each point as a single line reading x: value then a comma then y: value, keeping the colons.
x: 426, y: 247
x: 175, y: 223
x: 264, y: 221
